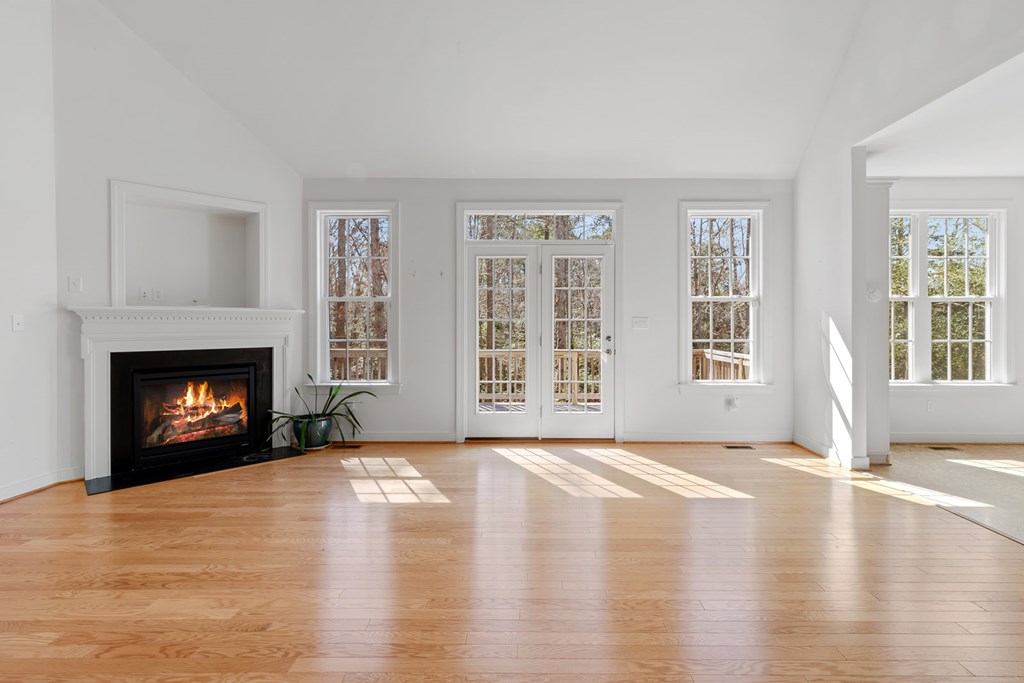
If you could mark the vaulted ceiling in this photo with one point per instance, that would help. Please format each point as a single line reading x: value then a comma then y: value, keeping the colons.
x: 513, y: 88
x: 975, y: 130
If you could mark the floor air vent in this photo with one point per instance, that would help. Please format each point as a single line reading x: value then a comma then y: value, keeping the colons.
x: 944, y: 448
x: 739, y: 448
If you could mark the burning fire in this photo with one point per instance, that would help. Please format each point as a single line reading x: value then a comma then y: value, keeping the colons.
x: 195, y: 412
x: 195, y: 405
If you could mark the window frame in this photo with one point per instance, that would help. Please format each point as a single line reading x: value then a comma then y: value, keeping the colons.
x: 758, y: 212
x: 920, y: 341
x: 319, y: 343
x: 466, y: 209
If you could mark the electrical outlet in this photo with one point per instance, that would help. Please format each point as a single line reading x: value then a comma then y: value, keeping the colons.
x: 929, y: 406
x: 158, y: 294
x: 143, y: 294
x: 18, y: 322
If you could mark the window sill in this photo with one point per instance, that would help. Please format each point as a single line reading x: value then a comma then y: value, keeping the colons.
x: 380, y: 389
x: 956, y: 386
x: 728, y: 387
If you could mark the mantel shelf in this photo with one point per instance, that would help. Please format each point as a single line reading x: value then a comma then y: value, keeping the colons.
x: 178, y: 314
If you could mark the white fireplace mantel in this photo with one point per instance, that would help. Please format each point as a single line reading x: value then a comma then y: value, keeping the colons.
x: 108, y: 330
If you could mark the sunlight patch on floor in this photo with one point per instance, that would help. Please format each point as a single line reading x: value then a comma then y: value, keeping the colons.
x: 391, y: 481
x: 379, y: 467
x: 1015, y: 467
x: 397, y: 491
x: 869, y: 482
x: 820, y: 467
x: 571, y: 478
x: 669, y: 478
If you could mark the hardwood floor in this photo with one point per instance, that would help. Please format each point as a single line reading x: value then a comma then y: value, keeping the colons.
x: 571, y: 563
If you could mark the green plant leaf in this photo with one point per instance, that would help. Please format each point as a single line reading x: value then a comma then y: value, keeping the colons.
x: 341, y: 431
x: 330, y: 398
x: 299, y: 394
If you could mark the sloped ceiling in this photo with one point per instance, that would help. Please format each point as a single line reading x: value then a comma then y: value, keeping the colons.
x: 976, y: 130
x: 514, y: 88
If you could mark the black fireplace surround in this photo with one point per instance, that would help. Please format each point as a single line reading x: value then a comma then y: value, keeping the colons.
x: 151, y: 439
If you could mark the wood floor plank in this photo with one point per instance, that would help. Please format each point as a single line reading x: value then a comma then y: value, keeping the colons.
x: 281, y: 573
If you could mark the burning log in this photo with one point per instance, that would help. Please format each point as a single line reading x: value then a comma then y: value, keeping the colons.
x: 180, y: 426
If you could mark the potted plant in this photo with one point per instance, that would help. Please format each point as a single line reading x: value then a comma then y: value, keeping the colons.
x: 312, y: 429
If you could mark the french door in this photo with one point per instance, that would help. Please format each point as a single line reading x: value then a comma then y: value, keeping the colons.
x: 540, y: 341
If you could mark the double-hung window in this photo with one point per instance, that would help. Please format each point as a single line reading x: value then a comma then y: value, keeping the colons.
x: 722, y: 287
x: 944, y: 300
x: 355, y: 327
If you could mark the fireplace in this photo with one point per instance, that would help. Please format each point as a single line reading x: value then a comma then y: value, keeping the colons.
x: 176, y: 413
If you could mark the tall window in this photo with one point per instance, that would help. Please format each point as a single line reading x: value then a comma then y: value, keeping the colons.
x: 722, y: 269
x: 943, y: 292
x: 901, y: 303
x: 356, y: 316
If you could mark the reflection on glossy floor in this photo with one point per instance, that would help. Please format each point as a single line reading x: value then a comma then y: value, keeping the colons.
x: 281, y: 572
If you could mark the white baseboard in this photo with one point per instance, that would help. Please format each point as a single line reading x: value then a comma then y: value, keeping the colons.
x: 956, y: 437
x: 713, y: 437
x: 813, y: 445
x: 826, y: 451
x: 879, y: 458
x: 20, y: 488
x: 405, y: 436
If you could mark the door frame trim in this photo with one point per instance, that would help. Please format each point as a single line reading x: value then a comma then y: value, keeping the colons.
x: 462, y: 304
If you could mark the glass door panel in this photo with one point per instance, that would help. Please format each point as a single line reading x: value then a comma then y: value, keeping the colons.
x: 576, y: 356
x: 539, y: 340
x: 578, y: 346
x: 501, y: 334
x: 501, y: 389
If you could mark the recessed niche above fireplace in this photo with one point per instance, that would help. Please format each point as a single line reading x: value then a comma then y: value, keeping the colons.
x: 176, y: 248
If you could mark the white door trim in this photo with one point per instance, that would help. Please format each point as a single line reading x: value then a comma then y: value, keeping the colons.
x: 462, y: 304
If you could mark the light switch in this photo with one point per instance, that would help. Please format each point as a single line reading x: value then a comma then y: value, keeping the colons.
x: 76, y: 284
x: 18, y: 322
x: 640, y: 323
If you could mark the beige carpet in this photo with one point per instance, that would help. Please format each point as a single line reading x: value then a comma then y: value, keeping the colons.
x: 988, y: 473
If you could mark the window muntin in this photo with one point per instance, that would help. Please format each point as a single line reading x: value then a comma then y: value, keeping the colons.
x: 571, y: 226
x: 357, y: 298
x: 953, y: 290
x: 901, y: 304
x: 723, y: 297
x: 501, y: 334
x: 576, y: 360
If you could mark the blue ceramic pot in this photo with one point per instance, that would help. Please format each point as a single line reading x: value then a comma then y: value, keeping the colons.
x: 318, y: 433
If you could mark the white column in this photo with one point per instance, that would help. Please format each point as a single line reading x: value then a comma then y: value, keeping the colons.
x: 869, y: 423
x: 874, y: 235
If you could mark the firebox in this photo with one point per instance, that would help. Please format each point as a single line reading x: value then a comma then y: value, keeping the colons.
x: 175, y: 413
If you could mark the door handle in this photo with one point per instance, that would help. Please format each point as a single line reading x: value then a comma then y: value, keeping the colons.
x: 610, y: 352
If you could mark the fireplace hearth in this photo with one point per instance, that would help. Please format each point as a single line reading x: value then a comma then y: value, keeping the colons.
x: 178, y: 413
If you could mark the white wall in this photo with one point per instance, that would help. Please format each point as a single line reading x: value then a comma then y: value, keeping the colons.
x: 903, y: 56
x: 28, y: 248
x: 123, y: 113
x: 654, y: 408
x: 190, y: 256
x: 964, y: 413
